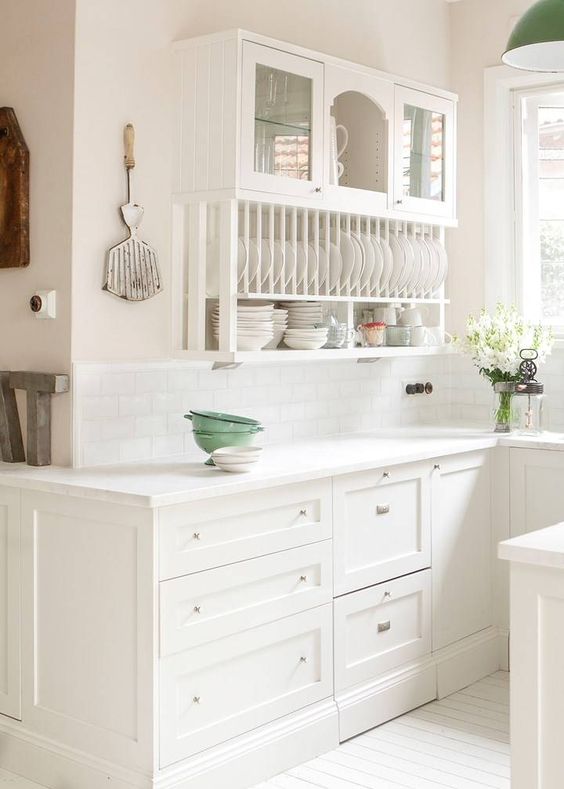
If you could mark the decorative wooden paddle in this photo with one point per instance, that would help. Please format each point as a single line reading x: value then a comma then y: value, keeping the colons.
x: 14, y: 192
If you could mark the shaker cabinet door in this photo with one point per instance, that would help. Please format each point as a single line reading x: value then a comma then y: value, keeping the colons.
x: 281, y: 122
x: 425, y: 154
x: 10, y: 684
x: 462, y: 547
x: 537, y: 493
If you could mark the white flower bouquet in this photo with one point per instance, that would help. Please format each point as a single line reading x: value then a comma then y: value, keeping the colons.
x: 494, y: 342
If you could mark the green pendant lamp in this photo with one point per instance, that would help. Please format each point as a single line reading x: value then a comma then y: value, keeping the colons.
x: 537, y: 42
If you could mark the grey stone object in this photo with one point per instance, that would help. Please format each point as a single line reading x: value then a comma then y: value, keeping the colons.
x: 39, y: 387
x: 11, y: 442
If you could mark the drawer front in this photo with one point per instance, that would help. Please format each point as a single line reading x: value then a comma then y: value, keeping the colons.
x: 382, y: 525
x: 213, y: 604
x: 220, y: 690
x: 229, y: 529
x: 380, y: 628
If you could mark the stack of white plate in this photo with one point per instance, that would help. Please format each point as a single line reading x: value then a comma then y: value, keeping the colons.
x: 280, y: 323
x: 255, y: 328
x: 304, y: 314
x: 306, y: 339
x: 236, y: 459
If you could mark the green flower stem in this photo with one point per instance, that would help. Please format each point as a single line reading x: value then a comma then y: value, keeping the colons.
x: 503, y: 413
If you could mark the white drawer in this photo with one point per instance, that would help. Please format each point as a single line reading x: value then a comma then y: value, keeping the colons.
x: 382, y: 525
x: 213, y: 604
x: 382, y: 627
x: 220, y: 690
x: 229, y: 529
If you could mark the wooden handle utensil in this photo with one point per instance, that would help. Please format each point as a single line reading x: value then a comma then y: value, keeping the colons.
x: 129, y: 142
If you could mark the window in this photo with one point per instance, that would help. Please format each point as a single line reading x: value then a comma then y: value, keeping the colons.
x: 540, y: 205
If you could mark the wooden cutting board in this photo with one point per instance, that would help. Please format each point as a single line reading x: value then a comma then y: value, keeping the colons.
x: 14, y: 192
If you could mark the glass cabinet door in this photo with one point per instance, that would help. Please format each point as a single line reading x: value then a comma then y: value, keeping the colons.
x: 424, y: 162
x: 282, y: 130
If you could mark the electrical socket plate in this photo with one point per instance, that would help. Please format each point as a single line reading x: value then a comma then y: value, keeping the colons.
x: 48, y: 309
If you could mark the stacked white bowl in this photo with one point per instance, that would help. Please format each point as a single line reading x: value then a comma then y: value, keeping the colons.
x: 280, y: 323
x: 255, y: 327
x: 236, y: 459
x: 305, y: 332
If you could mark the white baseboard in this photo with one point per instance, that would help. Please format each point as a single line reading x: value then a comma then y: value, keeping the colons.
x: 237, y: 764
x: 468, y: 661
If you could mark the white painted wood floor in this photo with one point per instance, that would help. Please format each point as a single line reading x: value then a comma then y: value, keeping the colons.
x: 461, y: 742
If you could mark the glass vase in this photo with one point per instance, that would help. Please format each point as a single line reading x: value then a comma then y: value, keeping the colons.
x: 505, y: 417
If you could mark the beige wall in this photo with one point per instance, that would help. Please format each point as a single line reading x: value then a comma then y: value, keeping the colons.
x: 36, y: 78
x: 124, y: 72
x: 479, y: 32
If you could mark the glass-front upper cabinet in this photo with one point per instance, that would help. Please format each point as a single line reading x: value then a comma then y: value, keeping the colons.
x: 425, y: 166
x: 282, y: 122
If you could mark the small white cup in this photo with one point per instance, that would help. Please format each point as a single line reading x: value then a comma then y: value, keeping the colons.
x: 436, y: 335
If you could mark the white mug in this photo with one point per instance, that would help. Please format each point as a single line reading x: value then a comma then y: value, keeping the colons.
x: 412, y: 316
x: 385, y: 315
x: 436, y: 335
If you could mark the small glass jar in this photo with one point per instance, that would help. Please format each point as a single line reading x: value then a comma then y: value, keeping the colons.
x: 529, y: 399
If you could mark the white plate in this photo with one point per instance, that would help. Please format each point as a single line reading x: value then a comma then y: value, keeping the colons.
x: 301, y: 265
x: 407, y: 272
x: 415, y: 275
x: 304, y: 345
x: 425, y: 264
x: 278, y: 267
x: 388, y: 265
x: 358, y: 263
x: 347, y: 258
x: 291, y: 262
x: 212, y: 270
x: 378, y: 267
x: 335, y: 265
x: 254, y: 304
x: 239, y: 468
x: 240, y: 451
x: 369, y: 261
x: 443, y: 264
x: 399, y: 262
x: 252, y: 343
x: 434, y: 264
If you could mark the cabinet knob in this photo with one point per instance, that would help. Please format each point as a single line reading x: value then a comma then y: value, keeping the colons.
x: 196, y: 699
x: 197, y: 609
x: 303, y: 578
x: 303, y: 512
x: 437, y: 466
x: 386, y: 475
x: 303, y: 659
x: 382, y: 509
x: 196, y: 535
x: 399, y: 202
x: 387, y: 595
x: 317, y: 189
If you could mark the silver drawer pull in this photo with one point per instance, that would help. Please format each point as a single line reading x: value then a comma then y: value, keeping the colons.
x: 196, y: 535
x: 303, y: 660
x: 386, y: 475
x: 387, y: 595
x: 304, y: 513
x: 303, y: 579
x: 383, y: 626
x: 197, y: 609
x: 196, y: 699
x: 437, y: 466
x: 382, y: 509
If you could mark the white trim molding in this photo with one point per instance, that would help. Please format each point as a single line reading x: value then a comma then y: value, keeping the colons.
x: 500, y: 85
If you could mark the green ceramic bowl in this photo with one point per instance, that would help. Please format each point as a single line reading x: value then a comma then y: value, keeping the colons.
x: 209, y: 441
x: 218, y: 422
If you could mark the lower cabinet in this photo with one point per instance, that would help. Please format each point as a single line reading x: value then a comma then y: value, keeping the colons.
x: 380, y: 628
x: 10, y: 609
x: 462, y: 547
x: 536, y: 489
x: 227, y: 687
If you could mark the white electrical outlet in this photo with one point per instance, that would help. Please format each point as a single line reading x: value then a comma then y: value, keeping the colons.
x: 43, y: 304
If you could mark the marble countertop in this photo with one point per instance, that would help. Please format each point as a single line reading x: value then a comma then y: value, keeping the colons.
x: 544, y: 547
x: 184, y: 479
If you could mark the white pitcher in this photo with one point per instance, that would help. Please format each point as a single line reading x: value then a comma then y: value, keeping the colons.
x: 336, y: 167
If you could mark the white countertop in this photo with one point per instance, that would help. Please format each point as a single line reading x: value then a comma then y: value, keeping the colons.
x: 159, y: 483
x: 544, y: 547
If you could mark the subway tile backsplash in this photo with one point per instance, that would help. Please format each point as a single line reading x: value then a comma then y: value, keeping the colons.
x: 135, y: 411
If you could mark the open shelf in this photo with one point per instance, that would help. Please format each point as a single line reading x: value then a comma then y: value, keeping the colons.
x: 288, y: 355
x: 356, y: 299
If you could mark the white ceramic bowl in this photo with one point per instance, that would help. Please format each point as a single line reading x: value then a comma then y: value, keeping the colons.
x: 304, y: 345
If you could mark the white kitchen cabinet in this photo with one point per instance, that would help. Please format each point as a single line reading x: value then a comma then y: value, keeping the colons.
x: 281, y: 122
x: 382, y: 525
x: 425, y: 153
x: 378, y: 629
x: 361, y: 107
x: 10, y: 608
x: 462, y: 547
x: 222, y: 689
x: 536, y: 489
